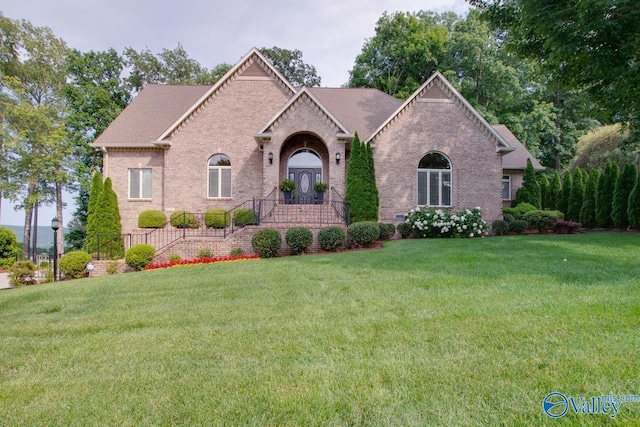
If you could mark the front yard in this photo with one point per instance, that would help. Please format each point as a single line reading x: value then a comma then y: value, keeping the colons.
x: 422, y: 332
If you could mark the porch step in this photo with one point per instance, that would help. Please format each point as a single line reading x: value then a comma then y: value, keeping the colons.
x: 304, y: 215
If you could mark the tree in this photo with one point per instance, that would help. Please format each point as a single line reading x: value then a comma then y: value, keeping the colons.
x: 359, y: 193
x: 373, y: 187
x: 290, y: 64
x: 530, y: 190
x: 588, y: 211
x: 170, y: 66
x: 93, y: 228
x: 624, y: 185
x: 404, y: 52
x: 633, y: 207
x: 108, y: 216
x: 562, y: 203
x: 576, y: 197
x: 35, y: 147
x: 582, y: 43
x: 8, y: 247
x: 604, y: 197
x: 545, y: 192
x: 555, y: 189
x: 597, y: 147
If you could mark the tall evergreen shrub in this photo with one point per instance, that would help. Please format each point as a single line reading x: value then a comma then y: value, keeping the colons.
x: 545, y: 191
x: 562, y: 202
x: 633, y: 205
x: 588, y: 211
x: 110, y: 223
x: 576, y: 197
x: 360, y: 194
x: 555, y: 188
x: 530, y: 190
x: 604, y: 197
x: 93, y: 206
x: 624, y: 185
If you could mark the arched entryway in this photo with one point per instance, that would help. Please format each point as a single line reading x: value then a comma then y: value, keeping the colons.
x: 304, y: 160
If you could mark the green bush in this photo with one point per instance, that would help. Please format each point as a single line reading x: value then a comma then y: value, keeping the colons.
x: 73, y: 265
x: 205, y: 253
x: 299, y: 239
x: 152, y: 219
x: 332, y: 238
x: 113, y: 267
x: 139, y: 256
x: 387, y: 231
x: 404, y: 229
x: 542, y: 221
x: 500, y: 227
x: 22, y: 273
x: 245, y: 216
x: 217, y: 218
x: 267, y: 242
x: 363, y: 234
x: 518, y: 226
x: 8, y: 247
x: 237, y: 252
x: 519, y: 211
x: 184, y: 219
x: 174, y: 257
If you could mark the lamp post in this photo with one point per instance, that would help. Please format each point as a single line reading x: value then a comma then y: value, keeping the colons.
x: 55, y: 225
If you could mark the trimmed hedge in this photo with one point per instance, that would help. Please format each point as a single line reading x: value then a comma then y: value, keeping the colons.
x: 267, y: 242
x: 387, y: 231
x: 245, y: 216
x: 299, y: 239
x: 363, y: 233
x: 184, y: 219
x: 152, y: 219
x: 332, y: 238
x: 139, y: 256
x: 542, y: 221
x: 74, y: 264
x: 217, y: 218
x: 518, y: 226
x: 404, y: 229
x: 22, y: 273
x: 519, y: 211
x: 500, y: 227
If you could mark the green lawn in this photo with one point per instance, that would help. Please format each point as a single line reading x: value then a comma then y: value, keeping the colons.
x: 423, y: 332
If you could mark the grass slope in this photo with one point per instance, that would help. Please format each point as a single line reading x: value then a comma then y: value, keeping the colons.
x: 423, y: 332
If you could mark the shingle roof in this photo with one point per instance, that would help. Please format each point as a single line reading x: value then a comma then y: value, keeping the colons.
x: 516, y: 159
x: 150, y: 114
x: 361, y: 110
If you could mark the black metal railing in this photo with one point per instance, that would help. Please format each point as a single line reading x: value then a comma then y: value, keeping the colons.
x: 341, y: 206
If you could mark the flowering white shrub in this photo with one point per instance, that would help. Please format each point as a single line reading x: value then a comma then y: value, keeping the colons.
x: 432, y: 222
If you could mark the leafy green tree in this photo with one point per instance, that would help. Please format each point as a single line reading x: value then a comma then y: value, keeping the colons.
x: 597, y: 147
x: 633, y: 206
x: 95, y: 95
x: 290, y: 64
x: 8, y: 247
x: 359, y: 193
x: 562, y: 203
x: 530, y: 190
x: 582, y: 43
x: 624, y: 185
x: 604, y: 197
x: 555, y: 189
x: 588, y: 211
x: 404, y: 52
x: 576, y: 197
x: 35, y: 148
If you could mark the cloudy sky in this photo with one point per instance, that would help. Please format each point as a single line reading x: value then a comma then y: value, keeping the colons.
x: 329, y: 33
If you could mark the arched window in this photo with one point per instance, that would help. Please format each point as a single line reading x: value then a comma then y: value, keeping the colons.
x: 219, y: 176
x: 434, y: 180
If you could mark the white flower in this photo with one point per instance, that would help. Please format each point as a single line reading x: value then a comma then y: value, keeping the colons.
x: 464, y: 226
x: 471, y: 235
x: 475, y: 224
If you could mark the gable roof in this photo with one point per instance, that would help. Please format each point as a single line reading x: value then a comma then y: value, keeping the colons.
x: 159, y: 110
x: 149, y: 114
x: 360, y: 110
x: 265, y: 132
x: 517, y: 159
x: 445, y: 88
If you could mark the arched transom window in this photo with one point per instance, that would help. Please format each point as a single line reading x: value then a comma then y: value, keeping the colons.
x: 434, y: 180
x: 219, y: 176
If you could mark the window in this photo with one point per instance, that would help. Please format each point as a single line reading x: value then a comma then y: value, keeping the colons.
x: 219, y: 176
x: 434, y: 180
x: 140, y: 181
x: 506, y: 187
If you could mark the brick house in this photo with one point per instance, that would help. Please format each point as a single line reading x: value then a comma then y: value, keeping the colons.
x: 200, y: 147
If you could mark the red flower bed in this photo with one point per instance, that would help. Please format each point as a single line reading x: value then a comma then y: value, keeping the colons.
x: 204, y: 260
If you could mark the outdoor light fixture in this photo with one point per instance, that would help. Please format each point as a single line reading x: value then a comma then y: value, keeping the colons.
x: 270, y: 157
x: 337, y: 158
x: 55, y: 225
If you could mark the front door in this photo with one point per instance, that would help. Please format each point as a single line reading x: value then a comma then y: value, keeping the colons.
x: 304, y: 179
